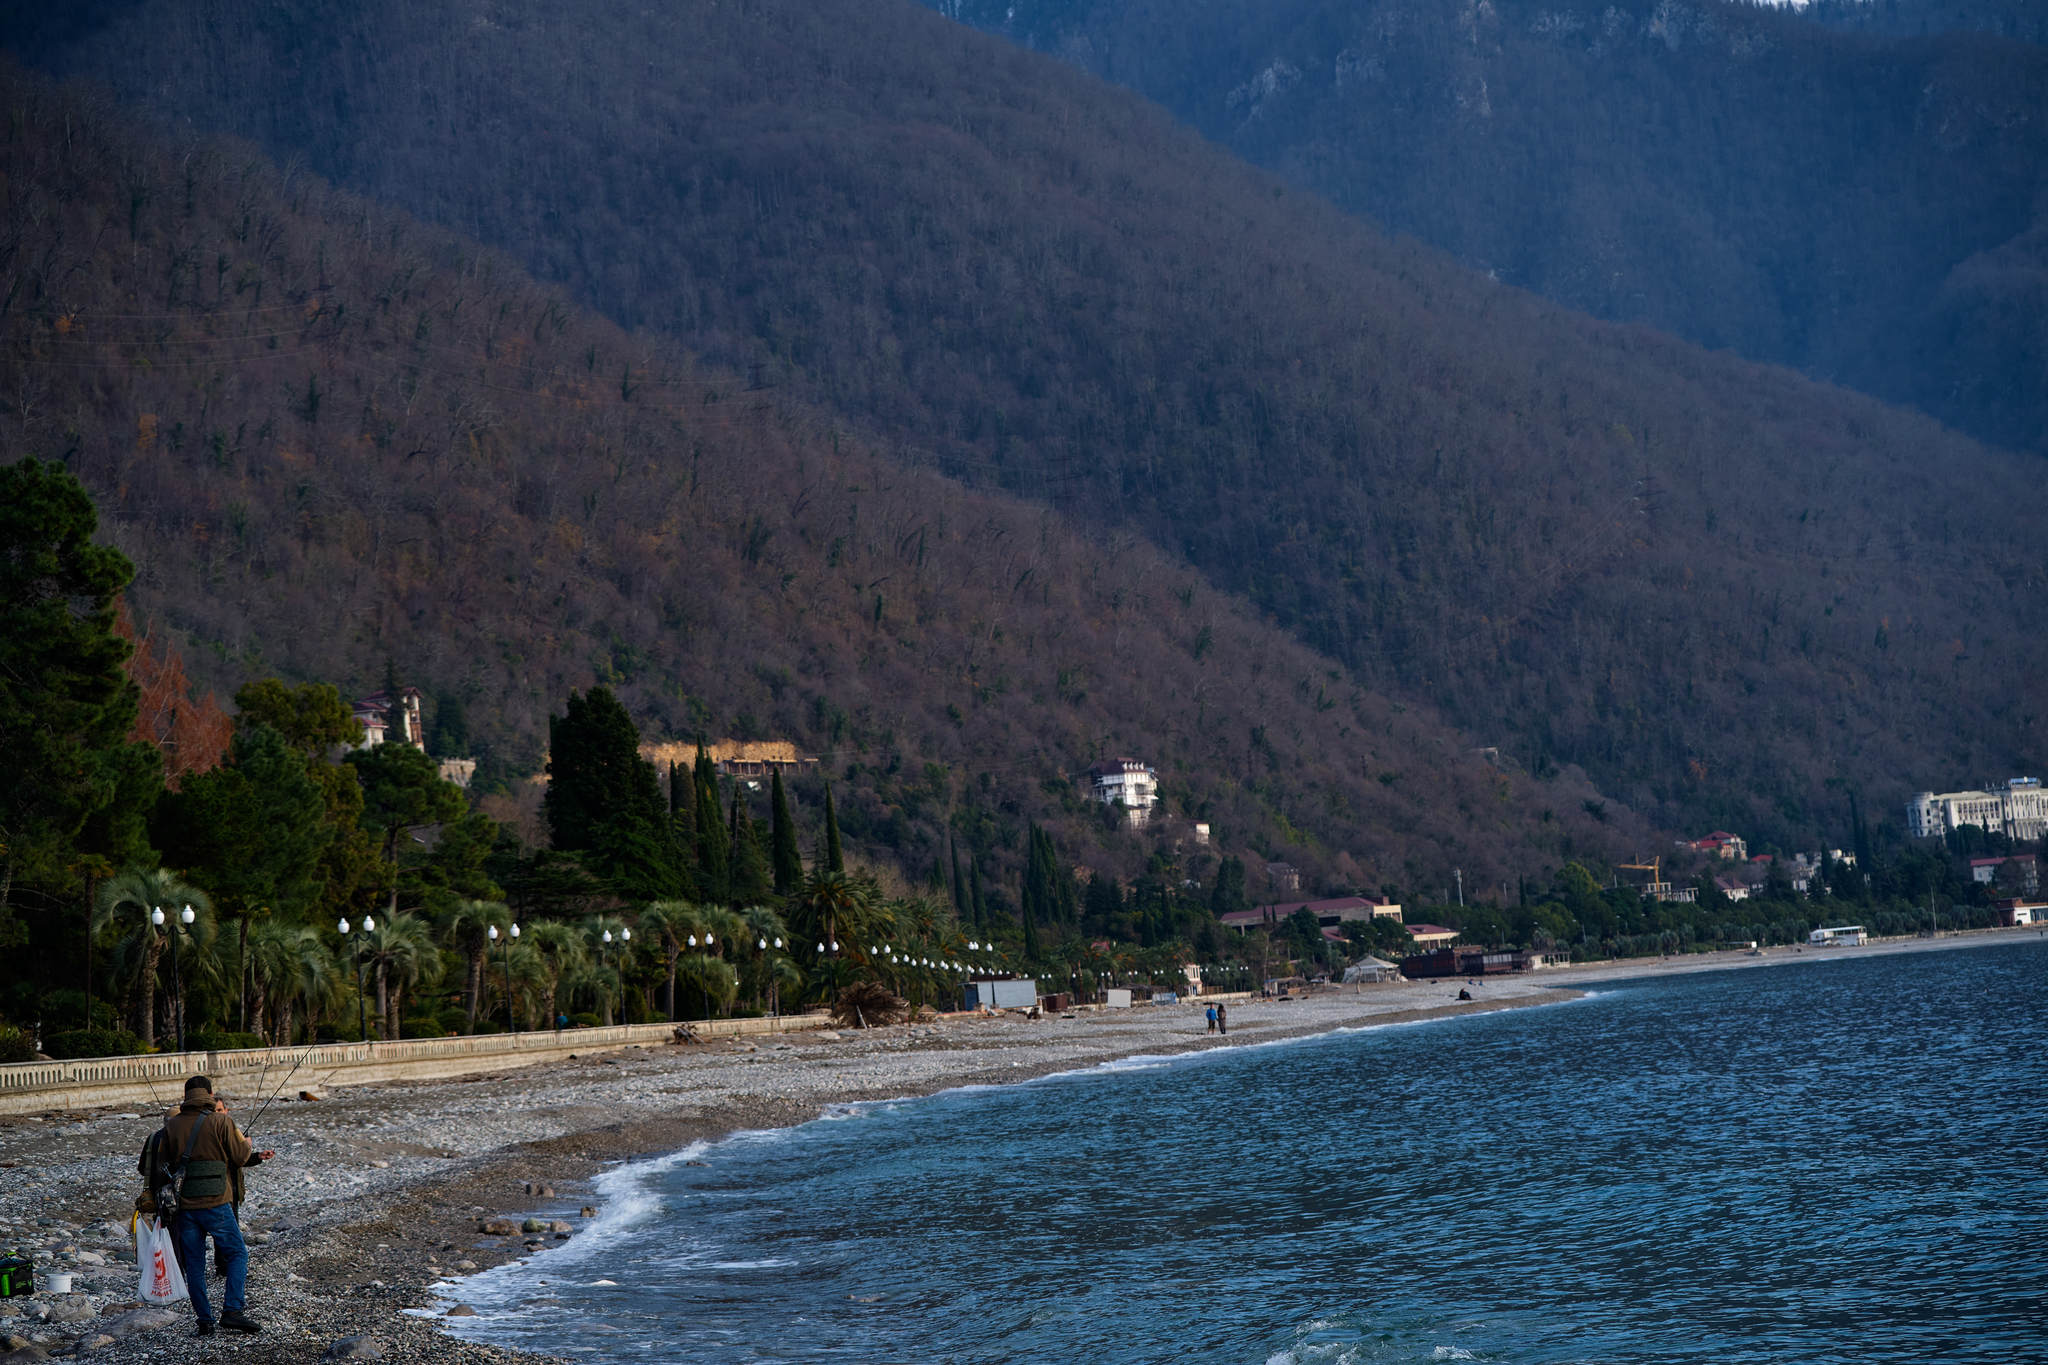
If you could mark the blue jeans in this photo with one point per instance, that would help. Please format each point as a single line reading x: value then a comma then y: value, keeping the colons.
x: 192, y: 1228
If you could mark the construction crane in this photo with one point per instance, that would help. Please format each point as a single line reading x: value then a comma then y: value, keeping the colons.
x: 1653, y: 867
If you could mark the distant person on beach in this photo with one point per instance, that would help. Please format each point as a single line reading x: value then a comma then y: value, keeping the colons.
x: 1212, y: 1018
x: 1223, y: 1018
x: 1464, y: 994
x: 213, y: 1151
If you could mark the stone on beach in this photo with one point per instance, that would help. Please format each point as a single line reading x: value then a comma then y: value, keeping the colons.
x: 354, y: 1348
x: 461, y: 1310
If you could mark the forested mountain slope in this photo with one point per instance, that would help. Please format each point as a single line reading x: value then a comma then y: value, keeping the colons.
x: 332, y: 438
x: 1870, y: 211
x: 2022, y: 19
x: 1718, y: 587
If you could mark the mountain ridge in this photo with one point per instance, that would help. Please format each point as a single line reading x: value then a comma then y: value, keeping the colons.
x: 339, y: 444
x: 1722, y: 590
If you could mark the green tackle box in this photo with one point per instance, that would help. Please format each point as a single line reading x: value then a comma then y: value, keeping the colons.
x: 17, y: 1277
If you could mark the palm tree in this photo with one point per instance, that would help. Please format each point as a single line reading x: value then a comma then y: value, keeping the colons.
x: 671, y: 922
x: 130, y: 898
x: 836, y: 905
x: 400, y: 950
x: 608, y: 939
x: 290, y: 967
x: 713, y: 977
x: 469, y: 928
x: 764, y: 937
x: 561, y: 951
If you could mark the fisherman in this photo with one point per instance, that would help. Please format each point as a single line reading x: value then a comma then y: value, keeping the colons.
x: 213, y: 1151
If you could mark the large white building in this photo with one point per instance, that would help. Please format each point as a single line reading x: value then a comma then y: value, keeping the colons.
x: 1129, y: 781
x: 2018, y: 810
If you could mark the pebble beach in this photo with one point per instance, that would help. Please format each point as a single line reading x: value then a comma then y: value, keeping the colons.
x: 381, y: 1197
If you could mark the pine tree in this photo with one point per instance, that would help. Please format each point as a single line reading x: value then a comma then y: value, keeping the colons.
x: 834, y: 857
x: 73, y: 783
x: 788, y: 860
x: 752, y: 881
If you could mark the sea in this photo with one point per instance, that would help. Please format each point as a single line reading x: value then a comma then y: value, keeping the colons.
x: 1840, y: 1159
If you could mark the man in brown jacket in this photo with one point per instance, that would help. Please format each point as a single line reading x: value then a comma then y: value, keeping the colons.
x: 217, y: 1152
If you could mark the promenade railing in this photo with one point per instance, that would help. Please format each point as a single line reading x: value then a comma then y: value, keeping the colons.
x: 245, y: 1074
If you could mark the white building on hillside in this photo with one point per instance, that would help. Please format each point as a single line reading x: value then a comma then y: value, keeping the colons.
x: 2018, y: 810
x: 384, y: 717
x: 1129, y: 781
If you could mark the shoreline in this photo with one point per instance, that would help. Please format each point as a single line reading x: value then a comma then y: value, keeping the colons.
x: 380, y: 1193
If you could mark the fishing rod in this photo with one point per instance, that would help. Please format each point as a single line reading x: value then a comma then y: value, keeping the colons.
x: 283, y: 1083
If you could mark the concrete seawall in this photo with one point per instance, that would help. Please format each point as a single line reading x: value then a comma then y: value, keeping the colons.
x: 252, y: 1074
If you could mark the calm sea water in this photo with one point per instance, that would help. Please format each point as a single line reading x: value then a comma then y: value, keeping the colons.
x: 1831, y: 1161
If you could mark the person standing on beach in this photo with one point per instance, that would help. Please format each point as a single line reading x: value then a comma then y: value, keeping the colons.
x: 213, y: 1151
x: 1223, y: 1019
x: 1212, y: 1018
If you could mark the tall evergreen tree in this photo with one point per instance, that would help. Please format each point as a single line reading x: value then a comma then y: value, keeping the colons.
x: 752, y: 880
x: 714, y: 863
x: 71, y: 782
x: 1030, y: 934
x: 977, y: 907
x: 1227, y: 895
x: 787, y: 858
x: 682, y: 827
x: 962, y: 907
x: 834, y: 857
x: 604, y: 800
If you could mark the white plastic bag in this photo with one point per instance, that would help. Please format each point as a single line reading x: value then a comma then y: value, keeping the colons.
x: 156, y: 1255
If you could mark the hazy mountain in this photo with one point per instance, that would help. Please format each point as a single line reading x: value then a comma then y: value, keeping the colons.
x: 1717, y: 586
x: 332, y: 438
x: 1870, y: 210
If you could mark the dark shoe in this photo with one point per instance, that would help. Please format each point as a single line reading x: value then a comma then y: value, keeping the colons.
x: 236, y: 1321
x: 204, y: 1329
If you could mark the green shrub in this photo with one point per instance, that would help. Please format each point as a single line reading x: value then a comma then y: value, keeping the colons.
x: 94, y: 1042
x: 16, y: 1044
x: 584, y: 1020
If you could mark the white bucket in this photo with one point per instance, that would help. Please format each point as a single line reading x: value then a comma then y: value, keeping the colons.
x: 60, y: 1281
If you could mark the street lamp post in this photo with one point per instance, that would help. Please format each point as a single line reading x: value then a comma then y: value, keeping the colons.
x: 355, y: 938
x: 506, y: 960
x: 185, y: 917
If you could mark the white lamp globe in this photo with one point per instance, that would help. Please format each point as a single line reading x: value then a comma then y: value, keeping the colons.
x: 343, y: 926
x: 515, y: 931
x: 369, y: 925
x: 492, y: 931
x: 188, y: 916
x: 626, y: 935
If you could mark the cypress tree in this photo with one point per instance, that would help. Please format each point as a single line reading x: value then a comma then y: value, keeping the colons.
x: 834, y: 857
x: 977, y: 908
x: 682, y: 825
x: 961, y: 906
x: 713, y: 866
x: 1030, y: 931
x: 788, y: 861
x: 751, y: 880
